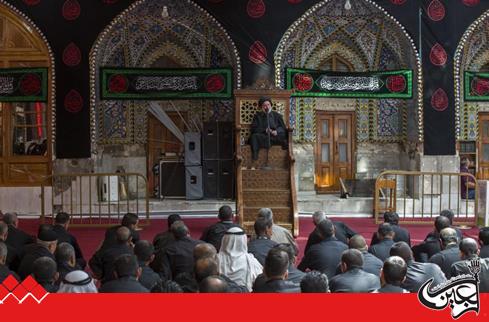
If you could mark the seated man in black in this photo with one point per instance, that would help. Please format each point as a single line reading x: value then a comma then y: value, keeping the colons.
x: 127, y: 272
x: 401, y: 234
x: 315, y: 282
x: 393, y: 275
x: 275, y: 269
x: 61, y: 223
x: 267, y: 125
x: 484, y: 242
x: 213, y: 234
x: 45, y: 273
x: 260, y: 246
x: 469, y: 251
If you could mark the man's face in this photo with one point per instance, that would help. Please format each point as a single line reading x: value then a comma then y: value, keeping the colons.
x: 266, y: 106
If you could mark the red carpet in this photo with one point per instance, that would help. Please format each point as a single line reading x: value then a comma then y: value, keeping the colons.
x: 90, y: 238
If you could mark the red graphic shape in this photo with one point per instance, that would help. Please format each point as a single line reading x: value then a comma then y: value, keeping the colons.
x: 71, y: 10
x: 71, y: 55
x: 258, y: 52
x: 398, y: 2
x: 255, y: 8
x: 73, y: 101
x: 480, y: 86
x: 38, y: 292
x: 29, y: 283
x: 303, y: 82
x: 471, y: 3
x: 30, y: 84
x: 436, y: 10
x: 396, y: 83
x: 3, y: 292
x: 10, y: 283
x: 294, y: 1
x: 438, y: 55
x: 118, y: 84
x: 31, y: 2
x: 215, y: 83
x: 110, y: 1
x: 439, y: 100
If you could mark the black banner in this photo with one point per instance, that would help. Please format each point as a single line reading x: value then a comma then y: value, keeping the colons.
x: 23, y: 84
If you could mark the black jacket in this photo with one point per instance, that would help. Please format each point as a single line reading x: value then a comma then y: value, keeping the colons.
x: 64, y: 268
x: 162, y: 240
x: 418, y: 273
x: 401, y: 234
x: 276, y: 286
x: 233, y: 287
x: 5, y: 272
x: 461, y: 267
x: 26, y: 265
x: 382, y: 249
x: 123, y: 285
x: 446, y: 258
x: 371, y: 264
x: 342, y: 233
x: 389, y: 288
x: 429, y: 247
x: 324, y: 257
x: 179, y: 258
x: 354, y: 280
x: 259, y: 247
x: 295, y: 276
x: 111, y: 236
x: 17, y: 239
x: 484, y: 252
x: 213, y: 234
x: 148, y: 277
x: 66, y: 237
x: 102, y: 262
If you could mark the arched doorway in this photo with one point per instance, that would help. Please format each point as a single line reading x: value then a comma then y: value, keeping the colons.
x: 26, y: 116
x: 168, y: 34
x: 348, y: 137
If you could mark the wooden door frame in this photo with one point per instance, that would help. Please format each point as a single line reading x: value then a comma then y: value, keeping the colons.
x: 353, y: 145
x: 479, y: 142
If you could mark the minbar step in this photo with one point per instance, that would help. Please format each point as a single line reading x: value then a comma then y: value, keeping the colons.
x: 256, y: 179
x: 277, y: 158
x: 267, y: 198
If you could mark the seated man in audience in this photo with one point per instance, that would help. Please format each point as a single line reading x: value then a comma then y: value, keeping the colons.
x: 353, y: 278
x: 130, y: 221
x: 167, y: 286
x: 213, y: 234
x: 44, y: 272
x: 393, y: 275
x: 208, y: 266
x: 400, y: 234
x: 450, y: 252
x: 469, y: 251
x: 326, y: 255
x: 45, y: 246
x: 417, y: 273
x: 163, y: 239
x: 77, y: 282
x: 61, y: 223
x: 431, y: 245
x: 4, y: 270
x: 275, y: 269
x: 315, y: 282
x: 187, y: 282
x: 12, y: 255
x: 65, y: 259
x: 280, y: 234
x: 234, y: 260
x: 204, y: 250
x: 385, y: 234
x: 16, y: 239
x: 260, y: 246
x: 144, y: 252
x: 450, y: 215
x: 484, y: 242
x: 127, y: 272
x: 342, y: 232
x: 371, y: 264
x: 179, y: 256
x: 102, y: 262
x: 213, y: 284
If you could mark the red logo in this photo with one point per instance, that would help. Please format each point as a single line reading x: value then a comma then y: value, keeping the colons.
x: 17, y: 293
x: 31, y: 2
x: 118, y: 83
x: 480, y: 86
x: 439, y: 100
x: 215, y: 83
x: 30, y: 84
x: 71, y: 9
x: 436, y: 10
x: 71, y: 55
x: 438, y: 55
x: 396, y: 83
x: 303, y: 82
x: 258, y: 52
x: 255, y: 8
x: 110, y: 1
x: 471, y: 3
x: 73, y: 101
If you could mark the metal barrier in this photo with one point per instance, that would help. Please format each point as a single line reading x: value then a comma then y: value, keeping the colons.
x: 96, y: 199
x: 419, y: 197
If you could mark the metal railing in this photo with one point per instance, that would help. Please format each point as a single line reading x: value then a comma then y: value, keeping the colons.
x: 419, y: 197
x: 96, y: 199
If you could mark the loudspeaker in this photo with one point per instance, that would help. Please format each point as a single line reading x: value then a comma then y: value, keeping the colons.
x: 226, y: 141
x: 172, y: 179
x: 211, y: 175
x: 193, y: 183
x: 192, y: 149
x: 218, y: 141
x: 219, y: 179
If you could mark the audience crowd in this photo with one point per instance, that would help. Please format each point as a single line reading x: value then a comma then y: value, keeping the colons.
x: 225, y: 259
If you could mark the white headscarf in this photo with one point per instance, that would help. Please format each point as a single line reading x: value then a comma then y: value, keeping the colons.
x: 234, y: 260
x: 77, y: 282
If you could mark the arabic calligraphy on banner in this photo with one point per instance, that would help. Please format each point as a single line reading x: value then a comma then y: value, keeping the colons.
x: 388, y: 84
x: 150, y: 84
x: 23, y: 84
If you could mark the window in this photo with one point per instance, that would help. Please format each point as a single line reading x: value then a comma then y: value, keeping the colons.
x: 336, y: 63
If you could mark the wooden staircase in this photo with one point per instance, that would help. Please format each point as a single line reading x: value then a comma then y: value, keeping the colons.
x: 258, y: 188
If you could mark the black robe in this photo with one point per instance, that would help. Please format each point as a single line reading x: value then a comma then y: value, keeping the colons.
x: 259, y: 136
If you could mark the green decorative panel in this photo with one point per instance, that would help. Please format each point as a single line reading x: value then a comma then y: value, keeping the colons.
x: 23, y: 84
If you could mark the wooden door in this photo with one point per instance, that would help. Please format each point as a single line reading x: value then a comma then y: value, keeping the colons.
x: 483, y: 153
x: 334, y: 150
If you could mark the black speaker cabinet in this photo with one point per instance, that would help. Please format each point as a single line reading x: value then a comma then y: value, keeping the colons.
x: 172, y: 179
x: 226, y: 141
x: 218, y: 179
x: 218, y: 141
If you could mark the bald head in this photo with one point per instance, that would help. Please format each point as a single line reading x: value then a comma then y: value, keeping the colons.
x: 204, y: 250
x: 123, y: 234
x: 468, y: 247
x: 358, y: 242
x: 402, y: 250
x: 213, y: 284
x: 10, y: 218
x: 205, y: 267
x: 441, y: 222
